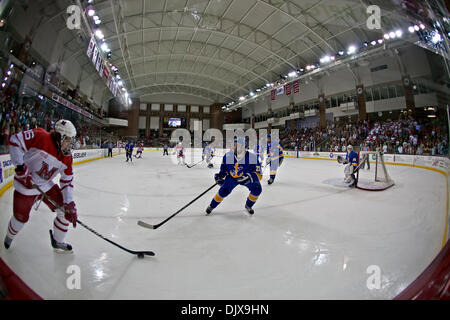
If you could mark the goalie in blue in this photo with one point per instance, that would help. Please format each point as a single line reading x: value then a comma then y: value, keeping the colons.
x: 275, y: 157
x: 239, y: 167
x: 351, y: 161
x: 208, y: 154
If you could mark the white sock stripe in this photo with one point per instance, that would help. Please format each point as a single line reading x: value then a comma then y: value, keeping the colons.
x: 12, y: 228
x: 11, y: 232
x: 62, y: 221
x: 60, y: 229
x: 60, y: 226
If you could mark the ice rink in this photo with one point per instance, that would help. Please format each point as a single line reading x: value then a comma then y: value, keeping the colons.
x: 310, y: 237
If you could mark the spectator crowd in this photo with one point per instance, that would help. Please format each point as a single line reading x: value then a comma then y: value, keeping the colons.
x: 16, y: 117
x: 402, y: 136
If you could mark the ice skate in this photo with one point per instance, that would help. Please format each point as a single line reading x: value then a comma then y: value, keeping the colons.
x: 7, y: 242
x: 60, y: 247
x: 249, y: 210
x: 209, y: 210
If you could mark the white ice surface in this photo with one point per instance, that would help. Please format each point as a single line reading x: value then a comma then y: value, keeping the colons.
x: 310, y: 237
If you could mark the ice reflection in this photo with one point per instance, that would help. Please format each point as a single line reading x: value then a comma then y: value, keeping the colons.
x: 99, y: 267
x: 321, y: 256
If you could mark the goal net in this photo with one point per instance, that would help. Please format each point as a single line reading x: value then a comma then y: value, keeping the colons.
x: 372, y: 174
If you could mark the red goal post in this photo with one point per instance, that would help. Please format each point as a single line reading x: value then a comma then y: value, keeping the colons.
x: 372, y: 176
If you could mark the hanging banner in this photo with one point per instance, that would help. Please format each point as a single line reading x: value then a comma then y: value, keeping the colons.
x: 95, y: 55
x: 287, y: 89
x: 106, y: 72
x: 90, y: 48
x: 70, y: 105
x: 99, y: 62
x: 272, y: 95
x: 296, y: 86
x: 280, y: 90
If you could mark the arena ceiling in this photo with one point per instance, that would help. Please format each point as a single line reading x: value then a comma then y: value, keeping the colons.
x: 221, y: 49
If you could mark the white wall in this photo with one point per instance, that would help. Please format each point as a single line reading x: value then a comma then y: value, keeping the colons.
x: 154, y: 123
x: 413, y: 58
x: 175, y: 99
x: 142, y: 122
x: 206, y: 124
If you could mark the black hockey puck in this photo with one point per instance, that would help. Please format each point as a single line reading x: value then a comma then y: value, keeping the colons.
x: 140, y: 255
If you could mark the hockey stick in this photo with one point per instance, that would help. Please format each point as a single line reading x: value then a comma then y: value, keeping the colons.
x: 140, y: 254
x: 193, y: 164
x: 156, y: 226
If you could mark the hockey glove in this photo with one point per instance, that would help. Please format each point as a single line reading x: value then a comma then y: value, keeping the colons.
x: 340, y: 159
x: 219, y: 179
x: 71, y: 213
x: 23, y: 175
x: 245, y: 179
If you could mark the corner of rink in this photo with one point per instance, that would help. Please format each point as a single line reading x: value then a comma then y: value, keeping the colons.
x: 12, y: 287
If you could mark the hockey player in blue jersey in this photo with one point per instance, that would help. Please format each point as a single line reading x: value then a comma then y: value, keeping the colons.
x: 203, y: 151
x: 239, y: 167
x: 259, y: 152
x: 352, y: 161
x: 275, y: 157
x: 208, y: 154
x: 129, y: 151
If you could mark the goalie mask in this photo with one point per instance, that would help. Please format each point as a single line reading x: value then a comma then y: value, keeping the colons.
x: 67, y: 133
x: 349, y: 148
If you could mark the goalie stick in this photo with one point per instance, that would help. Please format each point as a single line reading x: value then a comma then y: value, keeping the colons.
x: 140, y: 254
x: 156, y: 226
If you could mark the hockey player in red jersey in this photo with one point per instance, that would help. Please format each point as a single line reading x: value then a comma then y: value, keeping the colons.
x: 179, y: 151
x: 39, y: 156
x: 140, y: 148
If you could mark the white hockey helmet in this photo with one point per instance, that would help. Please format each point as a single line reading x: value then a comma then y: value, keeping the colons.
x: 349, y: 147
x: 67, y: 130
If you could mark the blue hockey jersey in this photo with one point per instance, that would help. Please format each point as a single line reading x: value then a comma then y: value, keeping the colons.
x: 237, y: 168
x: 257, y: 150
x: 129, y: 147
x: 352, y: 158
x: 276, y: 153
